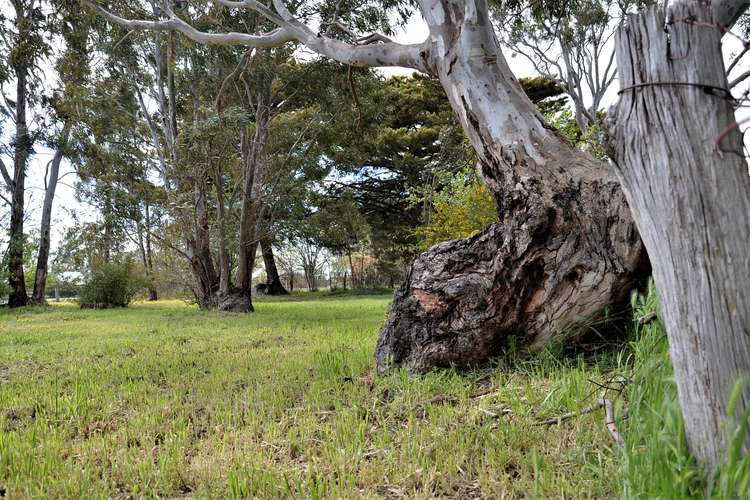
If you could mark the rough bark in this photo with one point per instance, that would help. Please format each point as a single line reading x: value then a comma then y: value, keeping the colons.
x: 565, y: 248
x: 23, y: 143
x: 199, y: 249
x: 689, y: 193
x: 221, y: 216
x: 274, y: 286
x: 40, y: 279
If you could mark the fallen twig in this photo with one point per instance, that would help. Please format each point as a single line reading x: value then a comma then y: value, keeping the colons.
x: 589, y: 409
x: 609, y: 421
x: 648, y: 318
x: 609, y: 418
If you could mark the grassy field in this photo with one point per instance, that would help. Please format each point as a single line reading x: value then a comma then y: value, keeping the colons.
x: 164, y: 400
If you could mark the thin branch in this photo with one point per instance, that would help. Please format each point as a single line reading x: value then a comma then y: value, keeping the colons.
x: 737, y: 59
x: 6, y: 175
x: 609, y: 421
x: 566, y: 416
x: 744, y: 76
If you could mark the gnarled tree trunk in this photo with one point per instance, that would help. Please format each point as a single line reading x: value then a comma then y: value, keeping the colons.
x: 690, y: 193
x: 566, y: 246
x: 199, y: 250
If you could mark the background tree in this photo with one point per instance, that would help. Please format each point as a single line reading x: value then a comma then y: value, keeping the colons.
x: 25, y: 43
x: 569, y: 41
x: 559, y: 255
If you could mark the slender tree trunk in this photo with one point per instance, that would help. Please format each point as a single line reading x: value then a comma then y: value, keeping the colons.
x: 690, y: 193
x: 23, y: 144
x: 273, y: 281
x: 223, y: 240
x: 351, y: 269
x: 153, y: 294
x: 565, y: 248
x: 40, y: 279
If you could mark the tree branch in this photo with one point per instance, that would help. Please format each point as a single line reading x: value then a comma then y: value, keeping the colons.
x: 6, y: 175
x: 274, y: 38
x: 290, y: 30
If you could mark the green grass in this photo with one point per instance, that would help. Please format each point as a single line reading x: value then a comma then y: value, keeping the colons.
x: 656, y: 461
x: 164, y: 400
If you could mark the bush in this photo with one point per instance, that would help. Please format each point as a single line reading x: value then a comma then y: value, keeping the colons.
x: 112, y: 285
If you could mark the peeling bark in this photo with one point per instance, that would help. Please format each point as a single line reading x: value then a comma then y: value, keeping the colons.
x: 566, y: 246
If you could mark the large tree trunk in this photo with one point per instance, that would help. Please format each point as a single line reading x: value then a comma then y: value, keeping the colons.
x: 23, y: 143
x: 565, y: 248
x: 40, y: 279
x: 690, y: 193
x: 274, y: 286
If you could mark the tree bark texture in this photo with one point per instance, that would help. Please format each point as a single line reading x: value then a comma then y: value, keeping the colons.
x: 566, y: 246
x: 688, y: 185
x: 274, y: 286
x: 18, y: 296
x: 40, y: 279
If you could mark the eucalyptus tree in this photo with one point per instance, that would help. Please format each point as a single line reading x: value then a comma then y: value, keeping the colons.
x: 570, y: 41
x: 24, y: 43
x: 566, y: 246
x: 71, y: 67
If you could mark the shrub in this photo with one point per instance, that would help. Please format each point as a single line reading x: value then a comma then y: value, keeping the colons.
x: 112, y: 284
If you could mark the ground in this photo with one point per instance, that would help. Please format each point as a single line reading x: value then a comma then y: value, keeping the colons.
x: 166, y: 400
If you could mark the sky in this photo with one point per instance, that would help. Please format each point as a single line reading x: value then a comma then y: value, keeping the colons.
x: 414, y: 32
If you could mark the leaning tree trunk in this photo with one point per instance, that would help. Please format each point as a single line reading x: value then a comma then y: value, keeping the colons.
x: 274, y: 286
x: 40, y: 279
x: 565, y: 248
x: 688, y: 185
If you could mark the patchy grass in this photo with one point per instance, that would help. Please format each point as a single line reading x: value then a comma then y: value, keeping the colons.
x: 166, y: 400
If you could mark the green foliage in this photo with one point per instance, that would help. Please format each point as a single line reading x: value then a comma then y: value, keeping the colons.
x: 113, y: 283
x: 463, y: 208
x: 589, y: 141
